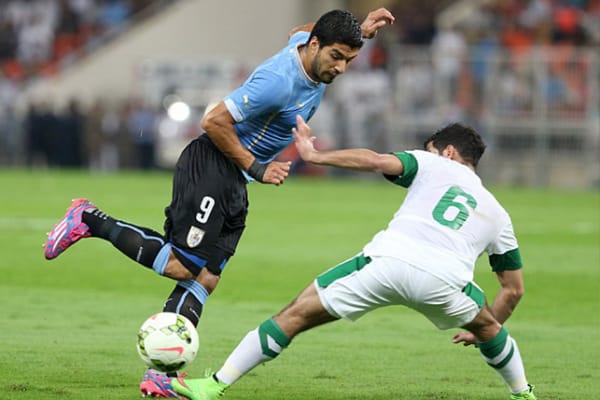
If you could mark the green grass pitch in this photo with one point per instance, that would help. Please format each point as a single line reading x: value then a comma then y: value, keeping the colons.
x: 68, y: 327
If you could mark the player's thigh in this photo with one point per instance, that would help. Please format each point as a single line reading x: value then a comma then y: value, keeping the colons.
x: 196, y: 215
x: 445, y: 305
x: 359, y: 285
x: 209, y: 206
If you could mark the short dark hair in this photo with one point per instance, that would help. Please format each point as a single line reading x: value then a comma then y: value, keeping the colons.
x: 338, y: 26
x: 465, y: 139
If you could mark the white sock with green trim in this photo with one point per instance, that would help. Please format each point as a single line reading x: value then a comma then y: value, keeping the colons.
x: 258, y: 346
x: 502, y: 354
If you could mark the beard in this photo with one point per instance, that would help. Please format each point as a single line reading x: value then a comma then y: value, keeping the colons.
x: 322, y: 76
x: 327, y: 77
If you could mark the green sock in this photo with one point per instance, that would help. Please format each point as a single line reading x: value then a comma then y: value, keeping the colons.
x: 502, y: 354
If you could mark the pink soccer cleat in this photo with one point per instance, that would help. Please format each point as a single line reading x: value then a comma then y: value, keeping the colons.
x: 158, y: 384
x: 69, y: 230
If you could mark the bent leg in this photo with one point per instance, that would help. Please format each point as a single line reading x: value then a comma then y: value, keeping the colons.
x: 272, y: 336
x: 484, y: 326
x: 189, y: 295
x: 142, y: 245
x: 303, y: 313
x: 499, y: 350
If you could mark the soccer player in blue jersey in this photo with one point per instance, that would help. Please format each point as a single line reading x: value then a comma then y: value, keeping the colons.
x: 244, y: 134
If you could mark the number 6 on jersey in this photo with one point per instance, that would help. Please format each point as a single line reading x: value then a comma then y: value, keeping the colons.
x: 449, y: 200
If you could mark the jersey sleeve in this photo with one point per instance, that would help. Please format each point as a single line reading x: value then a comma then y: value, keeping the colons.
x: 504, y: 253
x: 411, y: 167
x: 263, y: 93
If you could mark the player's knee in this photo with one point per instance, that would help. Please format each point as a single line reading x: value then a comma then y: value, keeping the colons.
x: 289, y: 323
x: 302, y: 314
x: 208, y: 279
x: 176, y: 270
x: 484, y: 326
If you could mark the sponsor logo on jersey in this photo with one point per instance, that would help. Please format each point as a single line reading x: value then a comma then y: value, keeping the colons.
x: 195, y: 236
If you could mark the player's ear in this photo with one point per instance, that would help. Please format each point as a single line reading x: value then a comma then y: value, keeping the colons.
x: 449, y: 151
x: 314, y: 45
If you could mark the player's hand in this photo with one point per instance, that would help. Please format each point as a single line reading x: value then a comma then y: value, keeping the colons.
x: 304, y: 140
x: 466, y: 338
x: 376, y: 19
x: 277, y: 172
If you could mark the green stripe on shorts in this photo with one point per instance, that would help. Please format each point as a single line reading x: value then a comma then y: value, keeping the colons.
x: 475, y: 293
x: 341, y: 270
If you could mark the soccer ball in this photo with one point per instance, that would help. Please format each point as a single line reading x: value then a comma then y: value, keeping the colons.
x: 167, y: 342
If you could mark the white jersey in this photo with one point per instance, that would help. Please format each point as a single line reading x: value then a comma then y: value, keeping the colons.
x: 446, y: 221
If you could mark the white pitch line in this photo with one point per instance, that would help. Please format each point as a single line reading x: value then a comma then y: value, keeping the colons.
x: 26, y: 223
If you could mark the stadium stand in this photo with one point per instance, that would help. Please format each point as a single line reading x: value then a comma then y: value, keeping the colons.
x: 38, y: 39
x: 525, y: 73
x: 37, y: 35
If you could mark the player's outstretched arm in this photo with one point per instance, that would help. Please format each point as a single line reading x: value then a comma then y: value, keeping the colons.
x: 375, y: 20
x: 355, y: 159
x: 218, y: 125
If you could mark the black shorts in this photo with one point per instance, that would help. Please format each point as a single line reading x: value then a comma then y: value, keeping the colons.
x: 207, y: 214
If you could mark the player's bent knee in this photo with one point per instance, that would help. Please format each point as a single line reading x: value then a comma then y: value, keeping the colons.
x: 484, y: 326
x: 176, y: 270
x: 208, y: 279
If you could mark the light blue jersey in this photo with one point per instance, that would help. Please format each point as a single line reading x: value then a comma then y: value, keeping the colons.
x: 266, y: 105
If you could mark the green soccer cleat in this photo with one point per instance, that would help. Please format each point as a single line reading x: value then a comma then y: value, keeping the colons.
x: 206, y: 388
x: 526, y: 395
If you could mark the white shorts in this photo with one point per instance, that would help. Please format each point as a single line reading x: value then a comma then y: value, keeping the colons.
x: 350, y: 290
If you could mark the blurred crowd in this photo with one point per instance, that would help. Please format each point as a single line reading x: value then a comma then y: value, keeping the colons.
x: 528, y: 52
x: 107, y: 137
x: 514, y: 25
x: 523, y: 62
x: 35, y: 35
x: 510, y: 23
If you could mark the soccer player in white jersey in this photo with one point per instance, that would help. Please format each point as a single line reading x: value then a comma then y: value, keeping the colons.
x: 423, y: 260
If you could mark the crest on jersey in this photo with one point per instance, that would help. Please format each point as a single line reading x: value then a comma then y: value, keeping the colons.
x: 194, y: 236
